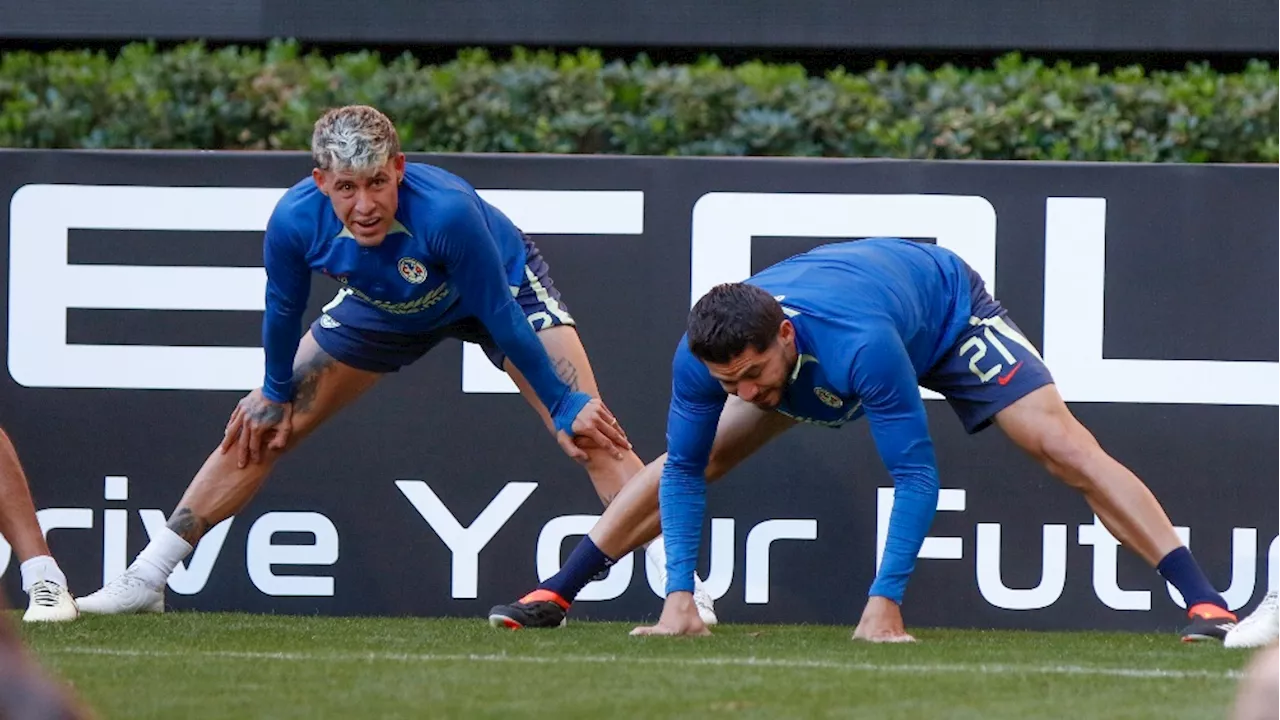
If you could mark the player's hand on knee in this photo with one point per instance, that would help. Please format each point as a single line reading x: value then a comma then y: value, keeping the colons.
x: 597, y: 424
x: 679, y: 617
x: 254, y: 419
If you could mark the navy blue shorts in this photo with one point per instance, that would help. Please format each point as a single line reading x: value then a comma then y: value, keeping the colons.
x: 991, y: 365
x: 339, y: 333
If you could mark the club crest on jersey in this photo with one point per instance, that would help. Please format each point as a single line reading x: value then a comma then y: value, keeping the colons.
x: 828, y: 398
x: 412, y: 270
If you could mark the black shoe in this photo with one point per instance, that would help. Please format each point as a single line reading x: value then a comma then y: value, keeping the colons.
x: 538, y: 609
x: 1208, y: 622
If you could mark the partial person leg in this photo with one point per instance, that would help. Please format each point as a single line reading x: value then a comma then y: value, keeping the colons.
x: 564, y: 347
x: 994, y: 374
x: 220, y: 489
x: 1042, y: 425
x: 27, y: 690
x: 1256, y: 695
x: 546, y: 311
x: 633, y: 518
x: 49, y: 600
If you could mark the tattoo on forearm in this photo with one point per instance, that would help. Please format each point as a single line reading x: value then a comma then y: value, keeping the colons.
x: 187, y: 525
x: 306, y: 380
x: 567, y: 373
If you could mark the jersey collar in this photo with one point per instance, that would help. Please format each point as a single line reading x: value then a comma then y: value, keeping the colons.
x: 396, y: 227
x: 801, y: 357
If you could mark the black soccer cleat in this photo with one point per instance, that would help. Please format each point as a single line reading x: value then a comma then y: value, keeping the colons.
x: 1208, y: 622
x: 538, y: 609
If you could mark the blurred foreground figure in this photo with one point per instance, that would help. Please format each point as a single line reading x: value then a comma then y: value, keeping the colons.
x: 26, y: 691
x: 1259, y: 695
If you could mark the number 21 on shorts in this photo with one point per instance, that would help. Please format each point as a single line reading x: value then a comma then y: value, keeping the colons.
x: 978, y: 347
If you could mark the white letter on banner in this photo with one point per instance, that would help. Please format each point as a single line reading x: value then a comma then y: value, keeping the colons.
x: 1074, y: 281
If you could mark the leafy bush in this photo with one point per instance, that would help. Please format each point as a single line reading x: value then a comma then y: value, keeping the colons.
x: 267, y: 98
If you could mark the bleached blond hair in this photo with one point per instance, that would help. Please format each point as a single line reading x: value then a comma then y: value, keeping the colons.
x: 357, y: 138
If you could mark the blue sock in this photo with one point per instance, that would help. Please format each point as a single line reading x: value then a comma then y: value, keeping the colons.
x: 1183, y: 572
x: 583, y: 564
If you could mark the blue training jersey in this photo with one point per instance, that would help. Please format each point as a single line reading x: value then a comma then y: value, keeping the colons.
x: 871, y: 317
x: 448, y: 255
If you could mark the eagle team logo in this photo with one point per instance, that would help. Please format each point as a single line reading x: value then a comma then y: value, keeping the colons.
x: 412, y: 270
x: 828, y: 398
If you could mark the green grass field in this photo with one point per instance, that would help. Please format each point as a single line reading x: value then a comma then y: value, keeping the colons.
x: 196, y: 665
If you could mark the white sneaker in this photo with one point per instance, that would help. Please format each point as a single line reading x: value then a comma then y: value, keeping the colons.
x: 706, y: 606
x: 128, y: 593
x: 1260, y: 628
x: 656, y: 557
x: 50, y: 602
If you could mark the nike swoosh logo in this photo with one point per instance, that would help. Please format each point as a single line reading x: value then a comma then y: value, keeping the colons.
x: 1005, y: 378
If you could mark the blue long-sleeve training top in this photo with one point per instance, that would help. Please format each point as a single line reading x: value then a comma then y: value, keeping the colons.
x: 871, y: 317
x: 473, y: 256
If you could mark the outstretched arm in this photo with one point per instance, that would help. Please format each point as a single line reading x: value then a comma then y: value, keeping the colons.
x: 470, y: 254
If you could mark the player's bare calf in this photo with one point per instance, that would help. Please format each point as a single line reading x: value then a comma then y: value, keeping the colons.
x: 48, y: 598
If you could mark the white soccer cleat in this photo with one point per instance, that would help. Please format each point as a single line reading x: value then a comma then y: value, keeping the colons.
x: 50, y: 602
x: 706, y: 606
x: 128, y: 593
x: 1260, y: 628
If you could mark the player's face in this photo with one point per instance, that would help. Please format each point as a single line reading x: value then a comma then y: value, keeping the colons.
x: 760, y: 377
x: 364, y: 201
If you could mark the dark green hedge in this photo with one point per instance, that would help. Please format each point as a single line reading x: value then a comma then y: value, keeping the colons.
x: 195, y: 97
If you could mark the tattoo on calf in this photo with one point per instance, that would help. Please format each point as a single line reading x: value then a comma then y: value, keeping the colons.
x: 306, y: 380
x: 187, y: 525
x: 567, y: 373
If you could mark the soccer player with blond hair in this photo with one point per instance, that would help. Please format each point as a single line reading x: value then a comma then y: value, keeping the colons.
x: 422, y: 258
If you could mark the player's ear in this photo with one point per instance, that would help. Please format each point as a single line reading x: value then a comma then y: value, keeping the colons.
x: 317, y: 176
x: 399, y: 165
x: 787, y: 332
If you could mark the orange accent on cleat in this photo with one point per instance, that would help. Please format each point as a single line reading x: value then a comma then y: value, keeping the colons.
x: 1211, y: 611
x: 511, y: 624
x: 541, y: 595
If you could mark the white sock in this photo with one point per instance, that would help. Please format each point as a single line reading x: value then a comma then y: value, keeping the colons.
x: 158, y: 559
x: 41, y: 567
x: 655, y: 554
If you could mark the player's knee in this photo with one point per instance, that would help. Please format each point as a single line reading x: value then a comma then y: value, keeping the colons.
x: 715, y: 471
x: 717, y: 465
x: 274, y: 452
x: 1065, y: 448
x: 598, y: 457
x: 298, y: 431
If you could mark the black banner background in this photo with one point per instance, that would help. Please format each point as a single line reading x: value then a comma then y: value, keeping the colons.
x: 1191, y: 274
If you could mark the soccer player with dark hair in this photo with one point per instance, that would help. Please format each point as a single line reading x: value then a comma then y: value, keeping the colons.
x: 422, y: 258
x: 844, y: 331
